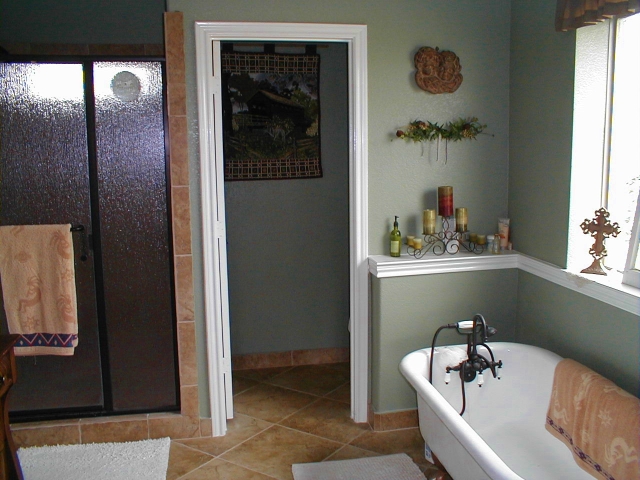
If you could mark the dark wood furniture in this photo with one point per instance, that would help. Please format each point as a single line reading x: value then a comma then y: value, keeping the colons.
x: 9, y: 465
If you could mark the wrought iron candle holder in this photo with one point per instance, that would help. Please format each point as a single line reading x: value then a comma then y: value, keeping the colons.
x: 446, y: 241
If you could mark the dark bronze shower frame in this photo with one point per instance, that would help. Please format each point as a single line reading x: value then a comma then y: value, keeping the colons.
x: 93, y: 236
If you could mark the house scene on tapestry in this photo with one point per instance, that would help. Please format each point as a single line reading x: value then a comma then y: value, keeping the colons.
x: 271, y: 115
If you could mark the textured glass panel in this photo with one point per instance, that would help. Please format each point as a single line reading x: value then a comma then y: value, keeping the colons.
x: 134, y: 227
x: 44, y: 179
x: 43, y: 142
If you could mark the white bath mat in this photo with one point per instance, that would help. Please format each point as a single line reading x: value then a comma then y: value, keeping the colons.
x: 387, y: 467
x: 143, y: 460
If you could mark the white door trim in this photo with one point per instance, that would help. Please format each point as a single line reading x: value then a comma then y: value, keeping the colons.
x: 212, y: 189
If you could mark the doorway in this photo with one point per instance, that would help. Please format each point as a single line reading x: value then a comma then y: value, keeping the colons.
x: 208, y: 38
x: 287, y: 235
x: 83, y: 142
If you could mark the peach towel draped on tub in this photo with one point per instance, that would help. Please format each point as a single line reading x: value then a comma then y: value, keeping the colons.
x: 597, y: 420
x: 39, y: 290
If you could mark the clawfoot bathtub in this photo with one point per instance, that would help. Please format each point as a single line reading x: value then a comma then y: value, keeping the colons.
x: 501, y: 435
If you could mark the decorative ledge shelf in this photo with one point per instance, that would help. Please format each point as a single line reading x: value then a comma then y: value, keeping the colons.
x: 604, y: 289
x: 383, y: 266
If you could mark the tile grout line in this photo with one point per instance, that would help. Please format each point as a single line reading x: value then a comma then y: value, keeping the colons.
x: 245, y: 441
x: 248, y: 438
x: 380, y: 444
x: 195, y: 469
x: 248, y: 468
x: 329, y: 456
x: 350, y: 445
x: 326, y: 395
x: 279, y: 422
x: 342, y: 444
x: 294, y: 390
x: 194, y: 448
x: 271, y: 424
x: 308, y: 393
x: 316, y: 400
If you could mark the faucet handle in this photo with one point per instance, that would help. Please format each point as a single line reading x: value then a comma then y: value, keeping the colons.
x: 480, y: 379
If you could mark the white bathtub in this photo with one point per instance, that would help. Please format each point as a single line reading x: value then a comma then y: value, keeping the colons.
x: 502, y: 433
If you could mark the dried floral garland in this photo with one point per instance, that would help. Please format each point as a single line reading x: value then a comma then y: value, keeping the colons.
x: 461, y: 129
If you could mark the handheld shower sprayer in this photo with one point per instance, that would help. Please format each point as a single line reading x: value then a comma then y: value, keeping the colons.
x: 465, y: 327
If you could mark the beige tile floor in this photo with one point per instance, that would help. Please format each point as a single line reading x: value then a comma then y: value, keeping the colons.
x: 288, y: 415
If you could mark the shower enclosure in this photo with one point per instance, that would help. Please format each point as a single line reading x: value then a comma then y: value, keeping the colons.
x: 84, y: 143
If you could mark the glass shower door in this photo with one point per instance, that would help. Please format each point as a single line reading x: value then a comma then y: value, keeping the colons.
x: 132, y: 186
x: 83, y: 143
x: 44, y: 180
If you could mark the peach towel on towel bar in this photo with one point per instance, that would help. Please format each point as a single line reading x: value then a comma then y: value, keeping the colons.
x: 597, y: 420
x: 38, y: 285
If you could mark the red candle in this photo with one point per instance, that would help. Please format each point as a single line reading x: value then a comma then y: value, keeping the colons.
x: 445, y: 201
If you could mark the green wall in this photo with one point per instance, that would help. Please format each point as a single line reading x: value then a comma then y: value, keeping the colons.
x: 540, y: 131
x: 541, y: 119
x: 402, y: 177
x: 406, y: 312
x: 593, y: 333
x: 518, y: 79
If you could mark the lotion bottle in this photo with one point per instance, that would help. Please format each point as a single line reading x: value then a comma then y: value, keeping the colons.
x: 395, y: 239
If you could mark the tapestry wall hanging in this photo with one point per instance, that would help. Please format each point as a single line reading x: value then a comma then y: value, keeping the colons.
x: 271, y: 115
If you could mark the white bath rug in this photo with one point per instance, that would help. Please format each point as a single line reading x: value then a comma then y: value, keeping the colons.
x: 387, y: 467
x: 143, y: 460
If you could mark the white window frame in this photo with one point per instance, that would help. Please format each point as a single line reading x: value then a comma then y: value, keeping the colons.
x: 631, y: 275
x: 591, y: 148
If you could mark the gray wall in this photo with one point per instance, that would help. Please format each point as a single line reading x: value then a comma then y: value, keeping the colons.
x: 288, y: 240
x: 81, y: 21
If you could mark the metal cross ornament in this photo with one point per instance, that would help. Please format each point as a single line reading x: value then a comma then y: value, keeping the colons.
x: 599, y: 228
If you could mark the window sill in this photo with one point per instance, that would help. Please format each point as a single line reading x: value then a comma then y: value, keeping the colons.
x: 613, y: 280
x: 608, y: 289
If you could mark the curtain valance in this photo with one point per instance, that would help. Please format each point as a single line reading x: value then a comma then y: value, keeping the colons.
x: 572, y: 14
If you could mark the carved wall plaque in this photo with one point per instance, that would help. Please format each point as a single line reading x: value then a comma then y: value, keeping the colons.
x: 437, y: 72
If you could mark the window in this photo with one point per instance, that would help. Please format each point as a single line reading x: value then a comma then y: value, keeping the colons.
x: 606, y: 151
x: 632, y: 269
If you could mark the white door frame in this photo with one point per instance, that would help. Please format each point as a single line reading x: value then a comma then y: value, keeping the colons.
x: 209, y: 34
